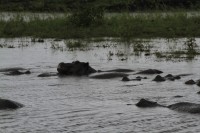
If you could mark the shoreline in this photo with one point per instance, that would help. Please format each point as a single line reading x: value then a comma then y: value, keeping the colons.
x: 124, y: 25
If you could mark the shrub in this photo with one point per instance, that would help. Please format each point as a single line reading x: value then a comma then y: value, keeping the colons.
x: 87, y: 17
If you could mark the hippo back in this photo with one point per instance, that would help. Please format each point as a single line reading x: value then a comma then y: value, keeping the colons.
x: 8, y: 104
x: 185, y: 107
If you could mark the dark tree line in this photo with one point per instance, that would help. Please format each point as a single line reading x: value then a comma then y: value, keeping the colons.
x: 109, y: 5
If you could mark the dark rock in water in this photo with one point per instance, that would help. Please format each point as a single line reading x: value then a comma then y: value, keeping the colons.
x: 158, y: 78
x: 11, y: 46
x: 27, y: 72
x: 150, y: 71
x: 190, y: 82
x: 169, y: 76
x: 178, y: 96
x: 8, y: 104
x: 47, y: 74
x: 108, y: 75
x: 172, y: 77
x: 16, y: 72
x: 125, y: 79
x: 75, y: 68
x: 198, y: 92
x: 198, y: 83
x: 145, y: 103
x: 177, y: 77
x: 138, y: 77
x: 182, y: 106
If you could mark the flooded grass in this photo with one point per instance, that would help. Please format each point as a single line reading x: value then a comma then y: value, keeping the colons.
x: 189, y: 51
x: 121, y: 25
x: 174, y: 49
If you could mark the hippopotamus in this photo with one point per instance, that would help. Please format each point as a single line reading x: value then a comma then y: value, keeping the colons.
x: 171, y: 77
x: 150, y: 71
x: 108, y: 75
x: 46, y: 74
x: 181, y: 106
x: 11, y: 69
x: 83, y: 68
x: 17, y: 72
x: 9, y: 104
x: 75, y: 68
x: 118, y: 70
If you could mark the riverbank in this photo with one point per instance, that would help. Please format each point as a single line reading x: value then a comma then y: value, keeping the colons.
x: 123, y: 25
x: 110, y: 6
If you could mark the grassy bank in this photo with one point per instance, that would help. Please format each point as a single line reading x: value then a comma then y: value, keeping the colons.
x: 122, y: 25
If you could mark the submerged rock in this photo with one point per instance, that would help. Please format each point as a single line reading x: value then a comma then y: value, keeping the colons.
x: 178, y: 96
x: 190, y: 82
x: 158, y: 78
x: 198, y: 83
x: 125, y: 79
x: 8, y: 104
x: 138, y: 77
x: 145, y: 103
x: 177, y: 77
x: 172, y: 77
x: 150, y: 71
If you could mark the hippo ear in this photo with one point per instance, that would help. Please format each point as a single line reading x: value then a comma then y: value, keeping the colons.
x: 60, y: 65
x: 76, y: 62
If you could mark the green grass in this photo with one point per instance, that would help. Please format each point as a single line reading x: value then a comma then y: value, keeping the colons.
x: 122, y: 25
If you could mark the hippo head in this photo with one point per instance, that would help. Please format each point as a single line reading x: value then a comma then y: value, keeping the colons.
x: 75, y: 68
x: 61, y: 65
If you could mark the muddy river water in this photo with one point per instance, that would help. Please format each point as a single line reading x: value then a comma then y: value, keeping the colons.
x: 84, y: 105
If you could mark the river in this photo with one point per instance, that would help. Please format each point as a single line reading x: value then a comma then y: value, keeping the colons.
x: 84, y: 105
